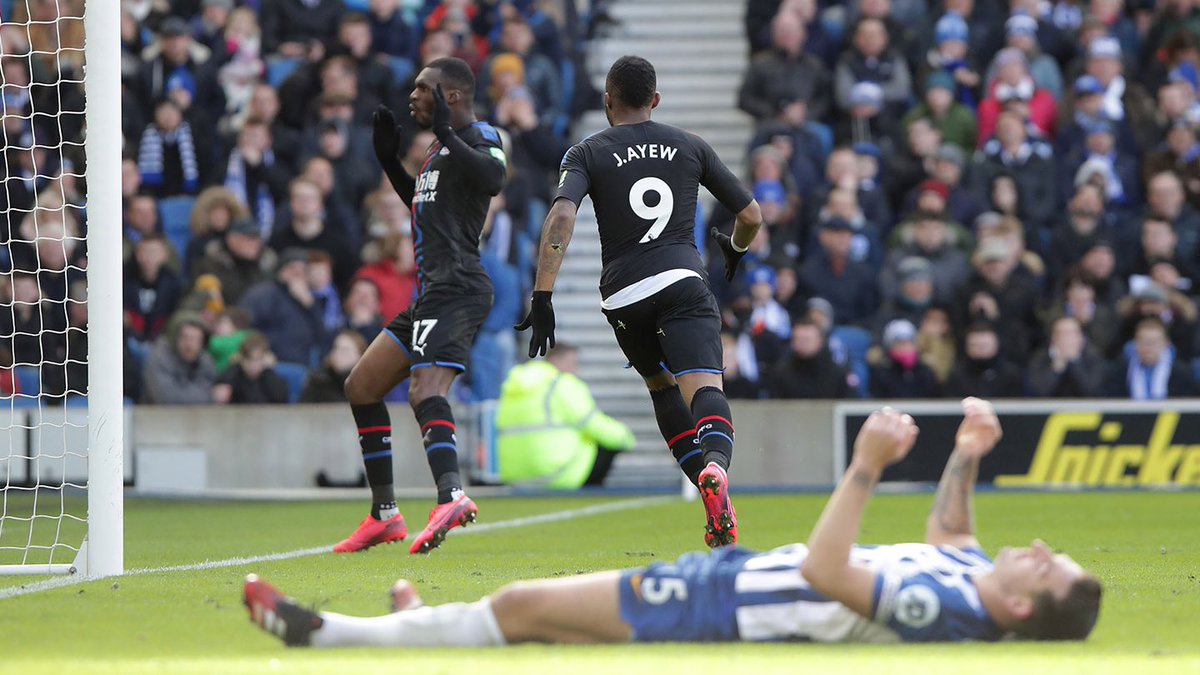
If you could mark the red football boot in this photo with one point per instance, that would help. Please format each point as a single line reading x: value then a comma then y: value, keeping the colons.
x: 371, y: 532
x: 278, y: 614
x: 442, y: 519
x: 721, y: 528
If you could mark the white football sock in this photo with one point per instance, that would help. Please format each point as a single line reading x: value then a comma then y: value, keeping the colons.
x: 455, y: 624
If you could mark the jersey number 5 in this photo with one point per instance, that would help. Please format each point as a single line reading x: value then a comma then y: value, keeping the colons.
x: 659, y: 590
x: 660, y: 213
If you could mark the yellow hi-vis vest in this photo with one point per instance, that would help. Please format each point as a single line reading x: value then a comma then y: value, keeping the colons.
x: 548, y: 428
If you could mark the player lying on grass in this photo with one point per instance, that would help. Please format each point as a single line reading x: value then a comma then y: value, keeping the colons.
x: 945, y: 589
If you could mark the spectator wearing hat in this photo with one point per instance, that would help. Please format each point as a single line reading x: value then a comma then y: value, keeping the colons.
x: 1074, y: 234
x: 867, y: 242
x: 808, y: 371
x: 866, y: 121
x: 1179, y: 153
x: 785, y: 72
x: 215, y: 210
x: 909, y: 298
x: 541, y: 74
x: 831, y: 273
x: 1149, y: 297
x: 950, y: 57
x: 237, y: 258
x: 1021, y: 32
x: 954, y: 119
x: 285, y: 310
x: 178, y: 370
x: 178, y: 68
x: 1028, y: 162
x: 983, y: 370
x: 1087, y: 109
x: 1014, y: 88
x: 932, y: 239
x: 1112, y: 13
x: 300, y: 29
x: 1124, y: 100
x: 897, y: 372
x: 1119, y: 173
x: 995, y: 295
x: 1167, y: 200
x: 963, y: 203
x: 1098, y: 267
x: 1153, y: 370
x: 870, y: 59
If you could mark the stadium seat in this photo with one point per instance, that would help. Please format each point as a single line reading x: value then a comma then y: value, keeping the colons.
x: 294, y: 374
x: 28, y: 380
x: 402, y: 69
x: 176, y: 215
x: 856, y: 342
x: 279, y: 70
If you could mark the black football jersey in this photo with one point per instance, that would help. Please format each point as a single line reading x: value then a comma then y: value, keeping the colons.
x: 643, y: 180
x: 448, y: 213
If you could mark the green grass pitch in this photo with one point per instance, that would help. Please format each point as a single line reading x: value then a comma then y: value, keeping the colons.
x: 1144, y: 546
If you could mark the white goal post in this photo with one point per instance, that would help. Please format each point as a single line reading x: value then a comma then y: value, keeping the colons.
x: 46, y: 441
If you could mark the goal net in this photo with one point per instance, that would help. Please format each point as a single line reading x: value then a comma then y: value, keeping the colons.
x: 60, y: 256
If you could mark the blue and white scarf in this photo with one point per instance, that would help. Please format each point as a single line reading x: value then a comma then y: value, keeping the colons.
x: 262, y: 204
x: 151, y: 156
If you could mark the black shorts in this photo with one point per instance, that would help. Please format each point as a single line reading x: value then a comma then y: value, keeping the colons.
x: 677, y: 329
x: 440, y: 327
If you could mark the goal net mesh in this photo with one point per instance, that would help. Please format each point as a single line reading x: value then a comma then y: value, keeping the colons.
x: 43, y: 311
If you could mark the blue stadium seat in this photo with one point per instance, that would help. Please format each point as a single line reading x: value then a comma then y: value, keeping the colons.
x: 294, y: 374
x: 402, y: 68
x: 279, y: 70
x: 176, y: 215
x: 28, y: 380
x: 856, y: 341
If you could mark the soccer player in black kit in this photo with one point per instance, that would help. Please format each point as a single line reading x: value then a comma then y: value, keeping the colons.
x: 429, y: 342
x: 643, y: 177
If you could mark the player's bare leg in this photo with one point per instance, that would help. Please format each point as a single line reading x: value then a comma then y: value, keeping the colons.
x: 714, y: 431
x: 427, y: 394
x: 384, y: 365
x: 582, y: 609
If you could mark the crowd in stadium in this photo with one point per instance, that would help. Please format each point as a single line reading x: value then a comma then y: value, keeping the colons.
x: 993, y: 199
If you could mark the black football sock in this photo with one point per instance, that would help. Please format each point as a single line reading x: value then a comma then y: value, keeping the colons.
x: 714, y: 425
x: 375, y: 439
x: 678, y: 429
x: 437, y: 432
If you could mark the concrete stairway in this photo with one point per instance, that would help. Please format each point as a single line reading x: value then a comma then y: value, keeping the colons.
x: 699, y: 51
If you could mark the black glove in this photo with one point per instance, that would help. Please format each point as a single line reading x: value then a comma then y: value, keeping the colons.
x: 541, y: 318
x: 732, y: 257
x: 386, y: 137
x: 441, y: 113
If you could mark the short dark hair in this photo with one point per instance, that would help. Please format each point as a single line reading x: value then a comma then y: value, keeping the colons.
x: 1071, y: 618
x: 981, y: 326
x: 455, y: 73
x: 632, y: 81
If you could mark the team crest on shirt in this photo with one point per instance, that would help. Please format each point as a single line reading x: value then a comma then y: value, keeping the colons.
x: 917, y: 606
x: 444, y: 151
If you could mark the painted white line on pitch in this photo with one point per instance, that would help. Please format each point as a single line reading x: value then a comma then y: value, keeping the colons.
x: 60, y: 582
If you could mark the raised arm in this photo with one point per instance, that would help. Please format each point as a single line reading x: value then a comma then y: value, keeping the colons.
x: 385, y: 137
x: 884, y: 439
x: 951, y: 521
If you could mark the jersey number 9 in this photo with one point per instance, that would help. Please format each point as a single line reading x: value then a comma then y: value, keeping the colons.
x: 660, y: 213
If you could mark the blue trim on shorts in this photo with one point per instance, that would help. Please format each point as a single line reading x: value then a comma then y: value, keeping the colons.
x: 398, y: 341
x: 714, y: 371
x: 685, y: 457
x: 441, y: 446
x: 377, y: 455
x: 443, y: 364
x: 719, y: 434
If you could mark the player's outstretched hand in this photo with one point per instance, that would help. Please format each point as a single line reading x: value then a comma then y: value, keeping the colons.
x: 541, y: 319
x: 979, y: 431
x: 441, y: 112
x: 885, y: 438
x: 732, y: 257
x: 385, y: 136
